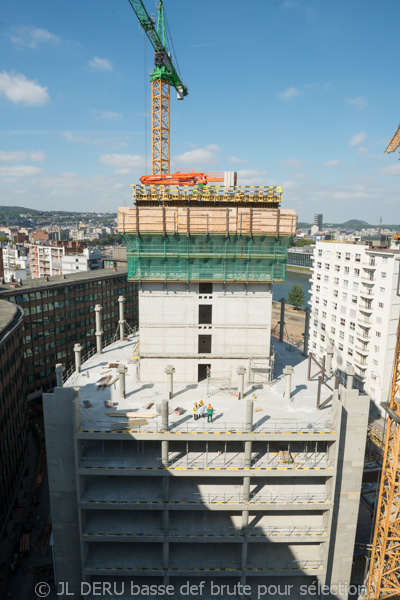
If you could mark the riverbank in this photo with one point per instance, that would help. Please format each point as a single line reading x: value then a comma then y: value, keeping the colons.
x: 294, y: 323
x: 305, y: 270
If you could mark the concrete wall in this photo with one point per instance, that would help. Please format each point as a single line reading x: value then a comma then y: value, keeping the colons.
x: 169, y: 327
x: 353, y: 431
x: 58, y: 420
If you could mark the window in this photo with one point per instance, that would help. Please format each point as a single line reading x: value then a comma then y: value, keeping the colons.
x: 384, y: 259
x: 338, y: 255
x: 358, y: 257
x: 378, y: 334
x: 316, y: 312
x: 351, y: 339
x: 350, y: 351
x: 341, y: 335
x: 354, y: 299
x: 340, y: 346
x: 381, y: 290
x: 326, y: 278
x: 356, y: 272
x: 323, y: 314
x: 346, y: 270
x: 314, y: 333
x: 327, y: 267
x: 355, y: 286
x: 319, y: 252
x: 322, y: 337
x: 333, y: 330
x: 316, y: 323
x: 337, y: 268
x: 336, y: 281
x: 319, y: 265
x: 318, y: 288
x: 334, y: 305
x: 314, y: 345
x: 383, y: 275
x: 380, y: 304
x: 325, y: 302
x: 347, y: 256
x: 344, y: 297
x: 335, y: 293
x: 345, y: 283
x: 376, y: 348
x: 333, y: 318
x: 318, y: 276
x: 343, y: 322
x: 375, y: 363
x: 352, y: 326
x: 323, y: 326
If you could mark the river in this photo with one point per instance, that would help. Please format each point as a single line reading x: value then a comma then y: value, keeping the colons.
x: 281, y: 290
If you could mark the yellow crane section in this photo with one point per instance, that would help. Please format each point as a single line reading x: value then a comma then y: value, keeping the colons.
x: 394, y: 142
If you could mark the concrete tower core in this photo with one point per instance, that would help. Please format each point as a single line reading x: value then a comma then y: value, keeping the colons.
x: 205, y: 262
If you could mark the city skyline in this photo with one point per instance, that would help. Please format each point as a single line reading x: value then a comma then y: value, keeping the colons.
x: 287, y: 94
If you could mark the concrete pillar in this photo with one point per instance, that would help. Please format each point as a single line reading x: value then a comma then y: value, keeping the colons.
x: 164, y: 453
x: 59, y: 374
x: 306, y: 333
x: 281, y: 323
x: 350, y: 378
x: 246, y: 489
x: 247, y: 455
x: 121, y: 321
x: 164, y: 415
x: 78, y: 357
x: 244, y: 555
x: 166, y: 554
x: 241, y: 371
x: 122, y: 370
x: 99, y: 334
x: 288, y: 372
x: 329, y: 357
x: 170, y: 380
x: 249, y: 416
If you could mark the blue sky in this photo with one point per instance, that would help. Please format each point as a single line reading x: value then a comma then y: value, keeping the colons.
x: 303, y: 94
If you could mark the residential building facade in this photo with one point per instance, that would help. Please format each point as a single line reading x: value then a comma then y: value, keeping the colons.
x: 355, y: 305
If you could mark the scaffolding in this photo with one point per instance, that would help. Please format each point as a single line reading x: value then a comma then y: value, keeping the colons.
x: 173, y: 194
x: 220, y: 382
x: 206, y: 258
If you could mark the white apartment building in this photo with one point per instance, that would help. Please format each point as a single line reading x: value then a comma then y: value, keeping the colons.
x: 88, y: 260
x: 355, y: 303
x: 45, y: 260
x: 15, y: 263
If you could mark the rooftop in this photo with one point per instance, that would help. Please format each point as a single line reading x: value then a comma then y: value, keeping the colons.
x: 104, y: 410
x: 10, y: 315
x: 57, y: 280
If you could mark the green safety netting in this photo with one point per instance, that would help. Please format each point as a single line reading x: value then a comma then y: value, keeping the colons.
x: 206, y: 258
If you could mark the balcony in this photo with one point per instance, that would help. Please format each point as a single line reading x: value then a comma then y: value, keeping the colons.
x: 368, y: 279
x: 365, y: 307
x: 369, y: 264
x: 360, y: 371
x: 366, y: 293
x: 362, y: 335
x: 364, y: 321
x: 362, y: 349
x: 360, y: 361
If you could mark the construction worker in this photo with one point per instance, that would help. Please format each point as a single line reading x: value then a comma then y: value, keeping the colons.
x: 210, y: 411
x: 195, y: 415
x: 202, y: 409
x: 279, y: 191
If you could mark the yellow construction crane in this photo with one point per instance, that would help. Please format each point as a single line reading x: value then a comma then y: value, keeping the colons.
x: 384, y: 568
x: 394, y: 142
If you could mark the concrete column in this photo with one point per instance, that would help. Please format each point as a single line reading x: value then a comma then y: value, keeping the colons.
x: 247, y: 455
x: 306, y: 333
x: 164, y: 453
x: 78, y: 357
x: 122, y: 370
x: 244, y: 555
x: 281, y: 323
x: 350, y: 378
x: 241, y: 371
x: 329, y: 357
x: 288, y: 372
x: 249, y: 416
x: 59, y: 374
x: 170, y: 380
x: 164, y: 415
x: 246, y: 489
x: 121, y: 321
x: 99, y: 334
x: 166, y: 554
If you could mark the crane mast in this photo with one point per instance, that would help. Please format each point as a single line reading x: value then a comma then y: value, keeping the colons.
x: 163, y: 76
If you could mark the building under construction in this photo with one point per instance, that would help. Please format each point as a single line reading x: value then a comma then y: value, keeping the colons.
x: 266, y: 493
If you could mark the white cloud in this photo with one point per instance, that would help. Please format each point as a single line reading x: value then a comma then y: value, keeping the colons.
x: 252, y: 177
x: 293, y: 163
x: 358, y: 138
x: 100, y: 64
x: 29, y: 36
x: 100, y: 115
x: 122, y: 171
x: 289, y: 93
x: 122, y: 161
x: 17, y: 88
x: 200, y: 156
x: 16, y: 171
x: 358, y: 102
x: 238, y: 161
x: 332, y: 163
x: 390, y: 170
x: 15, y: 156
x: 362, y: 150
x: 299, y: 176
x: 111, y: 141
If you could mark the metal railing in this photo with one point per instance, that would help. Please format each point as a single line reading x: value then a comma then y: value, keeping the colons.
x: 201, y: 426
x: 226, y: 531
x: 201, y: 565
x: 294, y: 498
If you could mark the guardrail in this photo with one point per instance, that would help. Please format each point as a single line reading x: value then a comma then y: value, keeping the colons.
x: 227, y: 531
x: 293, y: 498
x: 202, y: 565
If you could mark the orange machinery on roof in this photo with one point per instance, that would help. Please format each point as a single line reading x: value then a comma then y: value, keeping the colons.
x: 184, y: 178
